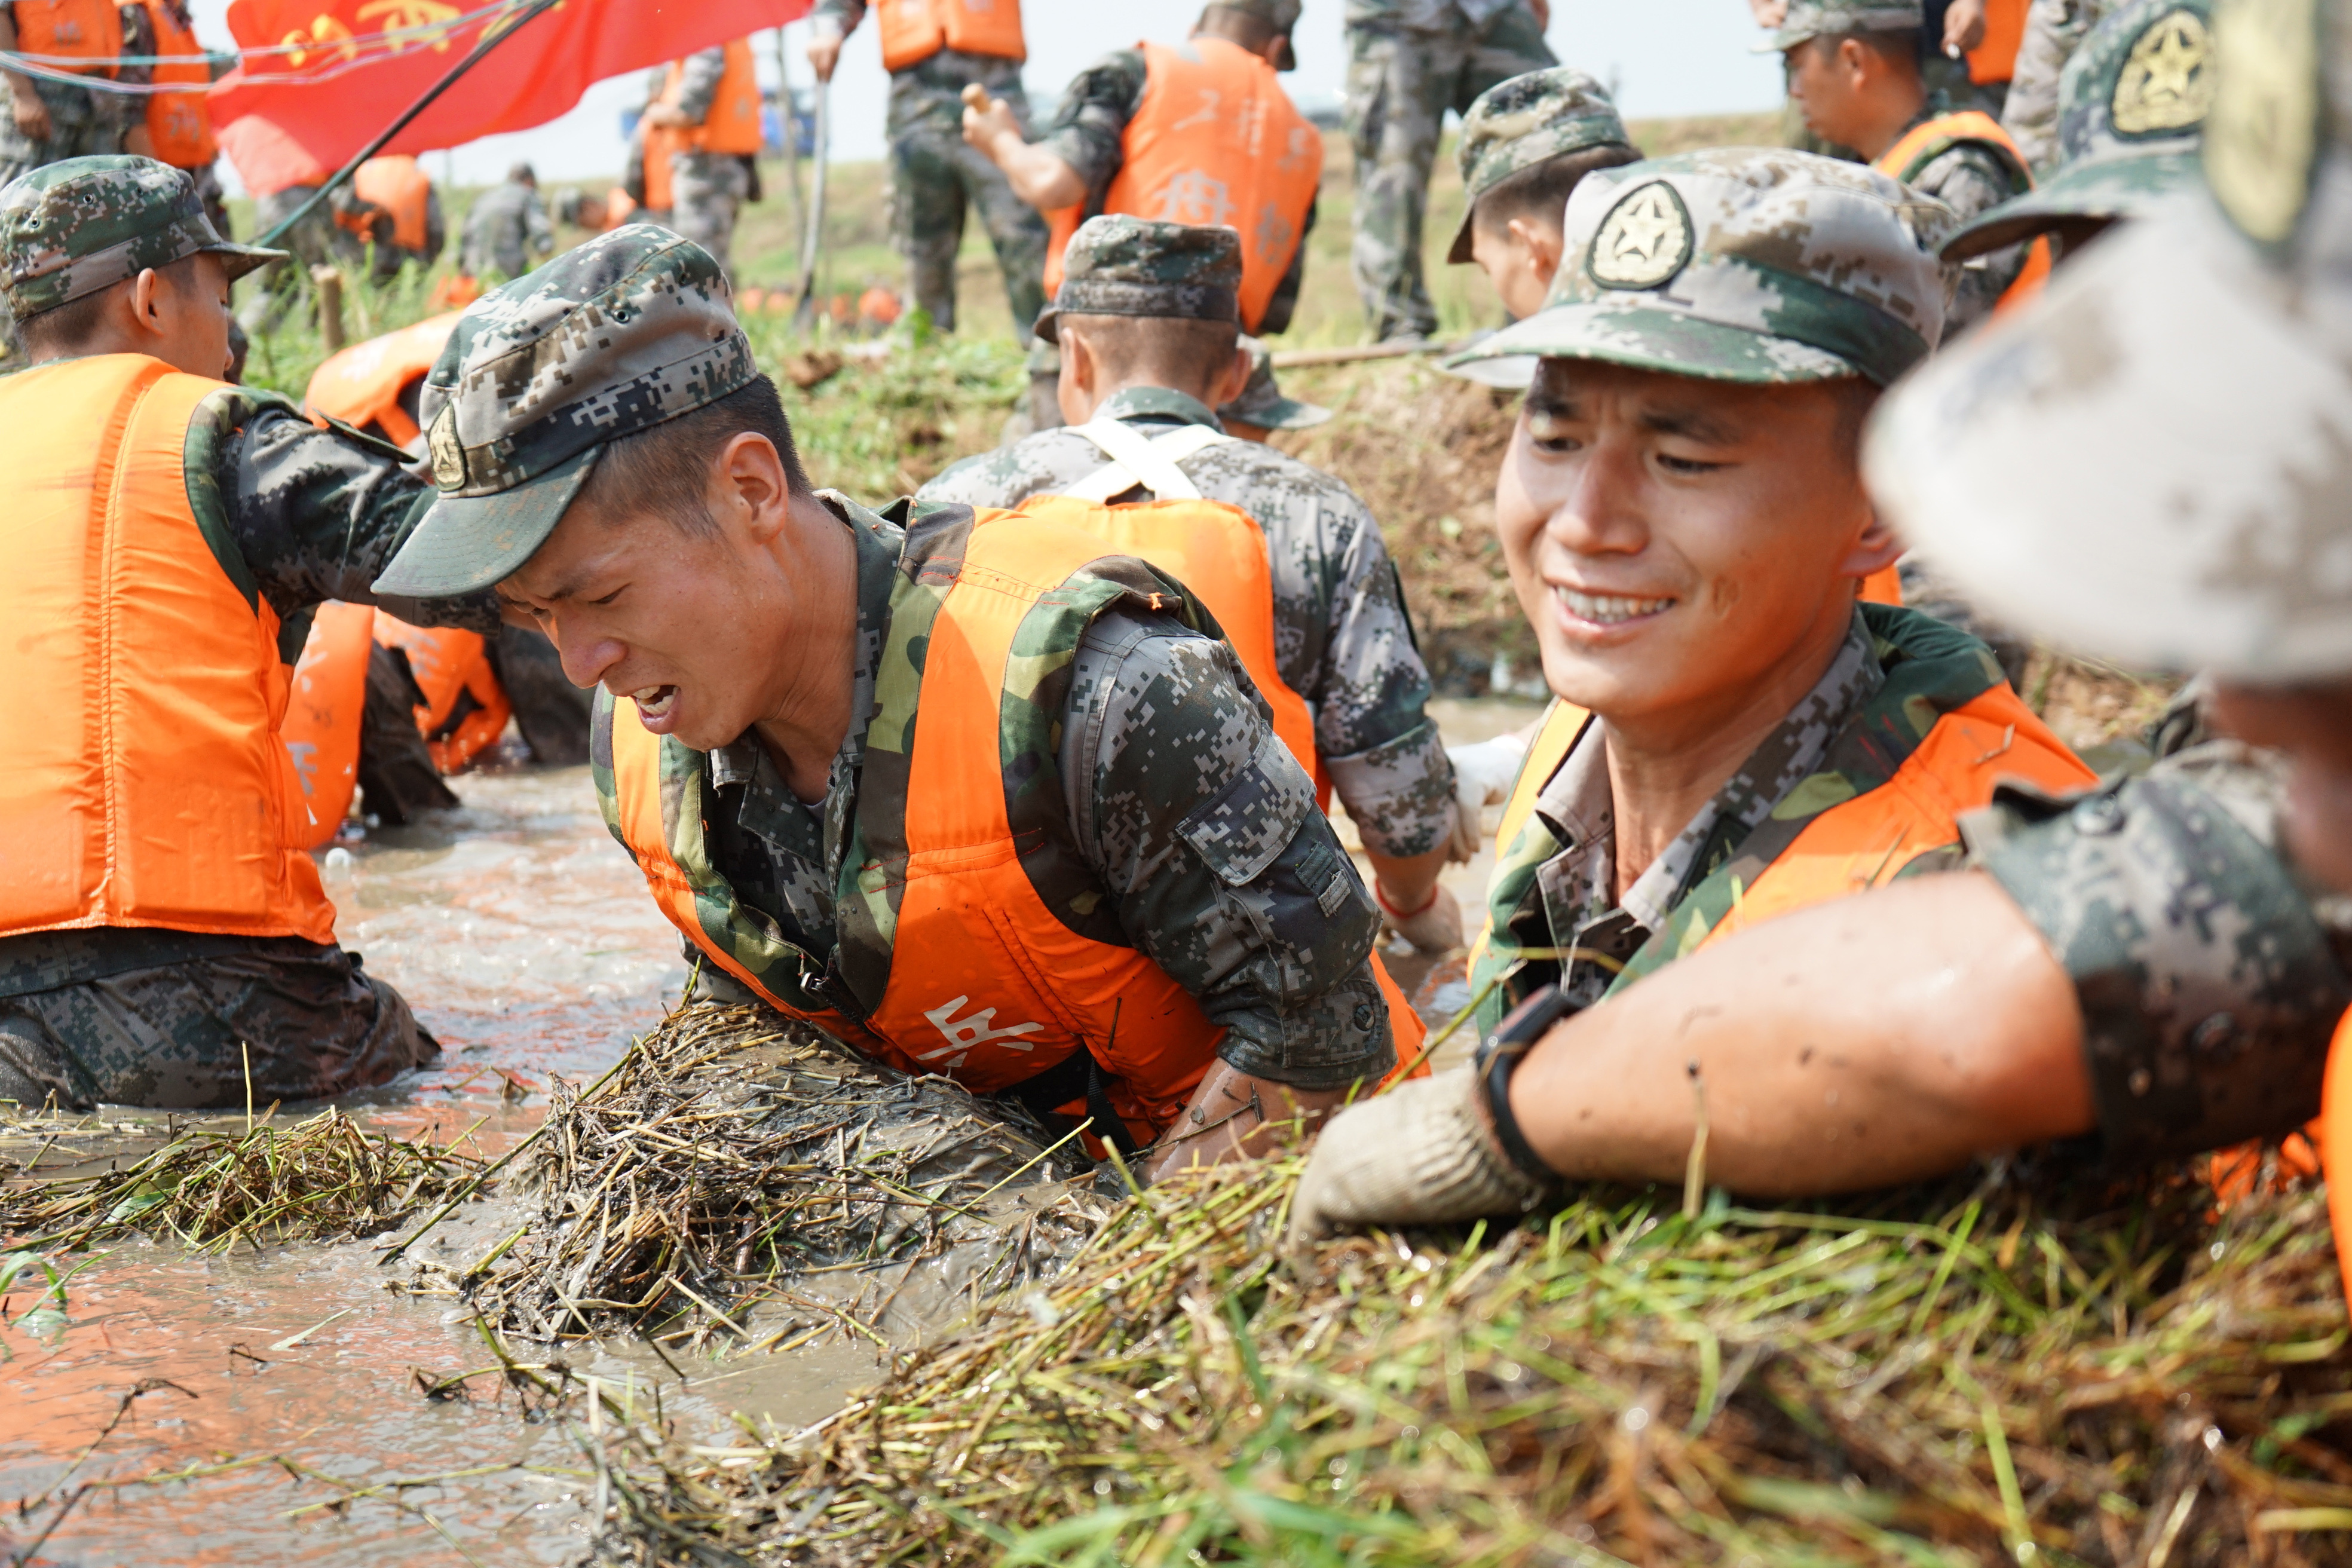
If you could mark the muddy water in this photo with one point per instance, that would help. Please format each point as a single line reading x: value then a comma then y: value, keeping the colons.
x: 522, y: 936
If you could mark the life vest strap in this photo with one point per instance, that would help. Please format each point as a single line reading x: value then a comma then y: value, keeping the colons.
x: 1139, y: 459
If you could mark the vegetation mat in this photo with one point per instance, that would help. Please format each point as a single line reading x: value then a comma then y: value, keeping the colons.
x: 733, y: 1153
x: 2067, y: 1371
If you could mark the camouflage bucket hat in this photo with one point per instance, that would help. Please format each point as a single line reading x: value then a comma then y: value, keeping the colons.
x: 1121, y: 266
x: 2147, y: 461
x: 1811, y: 18
x: 1261, y: 402
x: 2132, y: 106
x: 629, y: 331
x: 1741, y: 264
x: 70, y: 229
x: 1526, y: 120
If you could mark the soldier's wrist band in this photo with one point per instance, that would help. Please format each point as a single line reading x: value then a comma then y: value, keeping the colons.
x: 1499, y: 1059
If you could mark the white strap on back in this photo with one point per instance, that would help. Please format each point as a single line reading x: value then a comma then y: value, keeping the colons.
x: 1139, y: 459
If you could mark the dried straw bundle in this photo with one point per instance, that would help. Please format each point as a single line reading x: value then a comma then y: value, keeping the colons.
x: 733, y: 1150
x: 2095, y: 1376
x: 212, y: 1187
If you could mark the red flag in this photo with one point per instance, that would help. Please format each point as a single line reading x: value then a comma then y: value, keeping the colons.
x: 348, y: 68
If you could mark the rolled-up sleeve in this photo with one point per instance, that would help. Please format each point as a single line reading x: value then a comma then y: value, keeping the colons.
x: 1202, y: 827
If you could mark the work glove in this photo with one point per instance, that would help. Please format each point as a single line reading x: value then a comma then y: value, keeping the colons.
x: 1483, y: 776
x: 1419, y: 1155
x: 1435, y: 928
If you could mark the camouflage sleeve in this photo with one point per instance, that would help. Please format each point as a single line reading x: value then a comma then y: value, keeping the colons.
x: 1088, y: 130
x: 699, y: 84
x: 1201, y: 826
x: 2052, y: 28
x: 1970, y: 181
x: 301, y: 515
x: 2210, y: 975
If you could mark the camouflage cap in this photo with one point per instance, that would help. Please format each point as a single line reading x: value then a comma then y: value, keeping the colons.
x: 70, y: 229
x: 629, y: 331
x: 2132, y: 105
x: 2147, y: 461
x: 1261, y: 402
x: 1758, y: 264
x: 1811, y: 18
x: 1122, y: 266
x: 1282, y: 16
x: 1526, y: 120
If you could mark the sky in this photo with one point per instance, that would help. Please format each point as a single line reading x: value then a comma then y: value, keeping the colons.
x: 1665, y: 58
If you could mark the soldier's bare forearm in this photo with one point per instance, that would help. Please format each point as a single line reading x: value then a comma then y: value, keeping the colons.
x: 1873, y: 1040
x: 1235, y: 1116
x: 1040, y: 177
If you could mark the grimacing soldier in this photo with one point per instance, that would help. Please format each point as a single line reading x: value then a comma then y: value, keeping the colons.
x: 1146, y: 325
x: 2156, y: 963
x: 159, y: 923
x: 967, y: 791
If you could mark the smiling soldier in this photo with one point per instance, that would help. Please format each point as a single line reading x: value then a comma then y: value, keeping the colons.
x: 967, y: 791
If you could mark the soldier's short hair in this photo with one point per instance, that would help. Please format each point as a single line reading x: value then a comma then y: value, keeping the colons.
x: 1541, y: 190
x: 667, y: 468
x: 1181, y: 353
x: 62, y: 329
x: 1903, y: 48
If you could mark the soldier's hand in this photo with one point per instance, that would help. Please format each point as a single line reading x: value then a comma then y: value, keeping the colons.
x: 825, y: 54
x: 986, y: 118
x: 1964, y: 26
x: 1419, y: 1155
x: 1483, y: 776
x: 32, y: 117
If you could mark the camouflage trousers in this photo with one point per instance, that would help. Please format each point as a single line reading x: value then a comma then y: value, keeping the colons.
x: 707, y: 192
x: 934, y: 175
x: 1401, y: 82
x: 177, y: 1035
x: 81, y: 126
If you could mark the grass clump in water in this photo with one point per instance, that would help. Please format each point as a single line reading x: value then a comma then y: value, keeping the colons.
x: 734, y: 1152
x: 2095, y: 1374
x: 211, y: 1187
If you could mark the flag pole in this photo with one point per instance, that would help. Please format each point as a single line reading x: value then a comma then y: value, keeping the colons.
x: 489, y: 41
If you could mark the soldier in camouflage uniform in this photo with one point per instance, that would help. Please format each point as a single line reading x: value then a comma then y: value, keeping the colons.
x: 707, y: 189
x: 294, y: 513
x: 2052, y: 30
x: 49, y: 121
x: 1342, y: 636
x: 507, y: 229
x: 1826, y: 43
x: 2153, y: 967
x: 1408, y: 61
x: 935, y: 174
x: 775, y: 649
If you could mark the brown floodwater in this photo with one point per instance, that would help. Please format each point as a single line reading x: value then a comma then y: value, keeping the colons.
x: 522, y: 936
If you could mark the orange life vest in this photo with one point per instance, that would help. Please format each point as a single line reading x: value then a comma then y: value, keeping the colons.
x: 915, y: 30
x: 361, y: 384
x: 976, y: 976
x: 1214, y: 142
x: 1883, y: 586
x: 147, y: 783
x: 395, y: 184
x: 466, y: 709
x: 70, y: 31
x: 1931, y: 138
x: 179, y: 124
x: 733, y: 125
x: 1861, y: 843
x: 2336, y: 1144
x: 1995, y: 57
x: 323, y: 718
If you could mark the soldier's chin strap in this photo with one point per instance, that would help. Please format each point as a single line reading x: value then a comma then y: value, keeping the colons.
x: 1139, y: 459
x: 493, y: 37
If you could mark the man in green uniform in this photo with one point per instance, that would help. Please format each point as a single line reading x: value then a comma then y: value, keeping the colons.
x: 1408, y: 61
x: 936, y: 174
x: 635, y: 492
x: 1155, y: 369
x: 49, y: 120
x: 2156, y: 963
x: 297, y: 515
x: 507, y: 230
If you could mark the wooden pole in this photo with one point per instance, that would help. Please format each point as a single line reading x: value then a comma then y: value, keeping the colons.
x: 330, y: 307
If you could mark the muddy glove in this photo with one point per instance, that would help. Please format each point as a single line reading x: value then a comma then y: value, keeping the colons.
x: 1483, y: 776
x: 1420, y: 1154
x: 1434, y: 928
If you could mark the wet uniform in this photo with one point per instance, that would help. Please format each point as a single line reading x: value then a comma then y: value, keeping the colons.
x: 1342, y: 636
x: 148, y: 1016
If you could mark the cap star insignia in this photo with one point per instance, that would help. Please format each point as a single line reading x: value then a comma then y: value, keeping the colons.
x: 1645, y: 240
x: 2164, y: 87
x: 449, y: 453
x: 2262, y: 139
